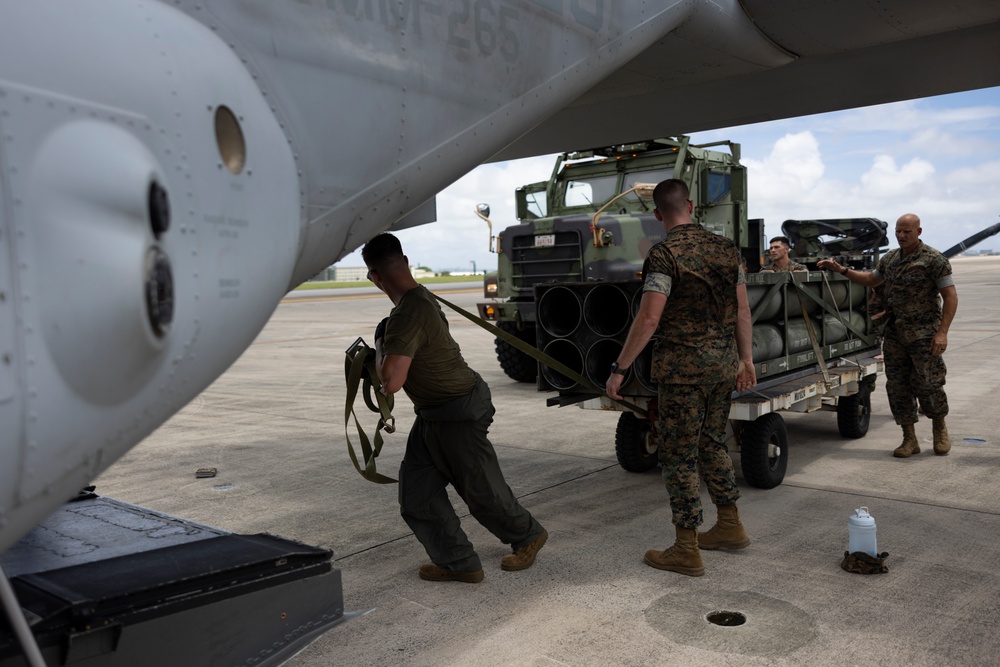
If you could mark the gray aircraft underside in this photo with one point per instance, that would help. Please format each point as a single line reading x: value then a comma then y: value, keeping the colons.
x: 169, y: 170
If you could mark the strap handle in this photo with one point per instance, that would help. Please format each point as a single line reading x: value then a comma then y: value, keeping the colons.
x: 359, y: 368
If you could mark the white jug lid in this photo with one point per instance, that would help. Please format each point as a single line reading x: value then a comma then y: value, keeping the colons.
x: 861, y: 517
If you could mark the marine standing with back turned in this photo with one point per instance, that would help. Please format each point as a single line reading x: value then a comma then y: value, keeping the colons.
x: 916, y: 330
x: 694, y: 296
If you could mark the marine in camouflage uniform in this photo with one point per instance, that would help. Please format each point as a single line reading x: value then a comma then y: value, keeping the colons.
x: 780, y: 261
x: 913, y: 316
x: 693, y: 298
x: 911, y: 279
x: 695, y: 365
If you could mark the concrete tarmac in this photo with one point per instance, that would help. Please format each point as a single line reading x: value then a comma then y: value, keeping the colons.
x: 273, y: 426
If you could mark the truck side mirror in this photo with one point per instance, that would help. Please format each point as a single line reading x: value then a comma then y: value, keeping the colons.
x: 483, y: 211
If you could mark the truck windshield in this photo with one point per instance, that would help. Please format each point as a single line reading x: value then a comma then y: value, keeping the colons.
x: 653, y: 176
x: 592, y: 191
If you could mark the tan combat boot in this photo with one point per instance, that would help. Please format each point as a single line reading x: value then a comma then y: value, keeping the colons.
x: 727, y: 533
x: 910, y: 446
x: 942, y: 444
x: 683, y: 557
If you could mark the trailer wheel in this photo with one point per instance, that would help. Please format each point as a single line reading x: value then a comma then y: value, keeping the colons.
x: 854, y: 412
x: 634, y: 444
x: 516, y: 364
x: 764, y: 451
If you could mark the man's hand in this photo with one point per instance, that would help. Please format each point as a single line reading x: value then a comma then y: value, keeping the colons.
x: 829, y: 265
x: 746, y: 376
x: 613, y: 385
x: 939, y: 343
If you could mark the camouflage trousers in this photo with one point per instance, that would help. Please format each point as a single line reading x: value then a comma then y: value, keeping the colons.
x: 691, y: 429
x: 913, y: 374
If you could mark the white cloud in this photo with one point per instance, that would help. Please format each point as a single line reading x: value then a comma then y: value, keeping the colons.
x: 794, y: 163
x: 886, y: 181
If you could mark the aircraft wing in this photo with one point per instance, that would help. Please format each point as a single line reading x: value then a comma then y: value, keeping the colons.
x: 842, y: 55
x: 168, y: 170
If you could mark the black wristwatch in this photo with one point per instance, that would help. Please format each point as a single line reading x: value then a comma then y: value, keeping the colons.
x: 615, y: 368
x: 846, y: 269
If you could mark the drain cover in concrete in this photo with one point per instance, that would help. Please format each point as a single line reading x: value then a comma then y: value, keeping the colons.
x: 772, y: 628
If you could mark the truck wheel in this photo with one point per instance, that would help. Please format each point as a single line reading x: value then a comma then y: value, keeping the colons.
x: 516, y: 364
x: 634, y: 444
x: 854, y: 412
x: 764, y: 451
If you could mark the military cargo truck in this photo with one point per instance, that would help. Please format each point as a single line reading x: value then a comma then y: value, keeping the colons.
x: 556, y: 239
x: 568, y: 281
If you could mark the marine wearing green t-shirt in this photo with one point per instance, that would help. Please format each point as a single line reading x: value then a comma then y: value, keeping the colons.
x: 417, y: 328
x: 448, y: 441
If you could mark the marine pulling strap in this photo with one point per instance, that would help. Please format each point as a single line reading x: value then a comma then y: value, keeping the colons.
x: 360, y: 372
x: 538, y: 355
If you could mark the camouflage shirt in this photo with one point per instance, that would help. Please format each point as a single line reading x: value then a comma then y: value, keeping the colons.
x: 911, y: 286
x: 698, y: 271
x: 791, y: 266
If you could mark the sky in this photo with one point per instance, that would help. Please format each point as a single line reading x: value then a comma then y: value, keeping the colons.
x: 938, y: 157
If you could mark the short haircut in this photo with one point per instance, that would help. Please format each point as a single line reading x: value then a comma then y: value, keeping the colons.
x: 783, y: 239
x: 382, y: 248
x: 671, y: 197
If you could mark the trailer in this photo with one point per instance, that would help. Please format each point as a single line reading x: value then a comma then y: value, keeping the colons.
x: 814, y: 345
x: 756, y: 429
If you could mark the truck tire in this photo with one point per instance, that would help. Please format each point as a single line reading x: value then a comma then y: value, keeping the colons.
x: 764, y: 451
x: 516, y: 364
x: 636, y: 450
x: 854, y: 412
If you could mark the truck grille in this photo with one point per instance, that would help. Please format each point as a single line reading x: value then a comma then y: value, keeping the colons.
x: 533, y: 265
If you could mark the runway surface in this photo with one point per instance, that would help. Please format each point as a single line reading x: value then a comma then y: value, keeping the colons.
x: 273, y: 426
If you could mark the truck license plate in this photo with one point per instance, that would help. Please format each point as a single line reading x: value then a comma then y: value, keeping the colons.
x: 545, y: 240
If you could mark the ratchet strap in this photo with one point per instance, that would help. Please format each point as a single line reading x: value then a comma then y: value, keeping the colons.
x: 813, y: 338
x: 812, y: 334
x: 361, y: 374
x: 539, y: 356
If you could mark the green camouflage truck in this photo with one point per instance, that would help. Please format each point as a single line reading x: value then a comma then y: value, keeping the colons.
x: 556, y: 240
x: 568, y: 282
